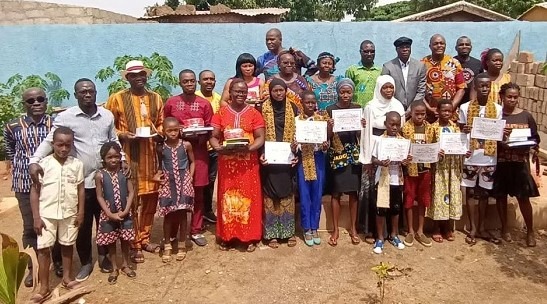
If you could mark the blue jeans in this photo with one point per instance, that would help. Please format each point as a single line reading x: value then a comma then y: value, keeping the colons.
x: 311, y: 193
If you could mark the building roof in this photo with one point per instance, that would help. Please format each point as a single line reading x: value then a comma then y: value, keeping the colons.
x: 244, y: 12
x: 460, y: 6
x: 539, y: 5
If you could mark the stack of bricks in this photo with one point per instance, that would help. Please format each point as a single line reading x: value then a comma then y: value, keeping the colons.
x: 529, y: 75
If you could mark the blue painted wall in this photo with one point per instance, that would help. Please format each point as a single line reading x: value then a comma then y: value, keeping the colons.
x: 74, y: 51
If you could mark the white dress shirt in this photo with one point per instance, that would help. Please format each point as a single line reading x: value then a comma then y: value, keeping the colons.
x: 404, y: 68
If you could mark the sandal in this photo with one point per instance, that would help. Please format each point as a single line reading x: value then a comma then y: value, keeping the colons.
x: 490, y: 238
x: 355, y: 240
x: 152, y: 248
x: 137, y: 257
x: 223, y: 246
x: 507, y: 237
x: 332, y: 242
x: 470, y: 240
x: 38, y: 298
x: 166, y: 256
x: 273, y: 244
x: 291, y: 242
x: 113, y: 277
x: 181, y: 255
x: 450, y: 236
x: 437, y: 238
x: 70, y: 285
x: 251, y: 247
x: 130, y: 273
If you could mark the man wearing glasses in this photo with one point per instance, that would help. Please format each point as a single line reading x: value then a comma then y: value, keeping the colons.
x: 364, y: 74
x: 22, y: 136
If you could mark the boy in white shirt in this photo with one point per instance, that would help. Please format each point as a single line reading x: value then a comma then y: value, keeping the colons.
x: 478, y: 170
x: 57, y: 207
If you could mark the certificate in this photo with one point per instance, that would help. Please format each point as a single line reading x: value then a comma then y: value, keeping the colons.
x: 488, y: 129
x: 454, y: 143
x: 520, y: 135
x: 278, y: 153
x: 424, y: 153
x: 347, y: 120
x: 394, y: 149
x: 311, y: 132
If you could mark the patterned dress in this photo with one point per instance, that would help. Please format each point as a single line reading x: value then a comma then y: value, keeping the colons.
x: 324, y: 92
x: 177, y: 193
x: 446, y: 201
x: 115, y: 193
x: 239, y: 199
x: 294, y: 89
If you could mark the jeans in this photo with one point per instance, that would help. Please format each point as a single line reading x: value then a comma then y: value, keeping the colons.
x: 92, y: 210
x: 209, y: 189
x: 29, y: 236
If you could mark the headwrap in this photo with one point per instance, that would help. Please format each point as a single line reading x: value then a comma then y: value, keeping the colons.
x: 346, y: 82
x: 331, y: 56
x: 276, y: 82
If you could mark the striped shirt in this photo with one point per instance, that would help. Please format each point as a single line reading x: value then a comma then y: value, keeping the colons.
x: 21, y: 138
x: 90, y: 133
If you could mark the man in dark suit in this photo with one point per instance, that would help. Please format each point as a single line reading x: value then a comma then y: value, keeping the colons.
x: 409, y: 74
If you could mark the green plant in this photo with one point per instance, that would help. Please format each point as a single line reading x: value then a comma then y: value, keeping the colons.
x: 13, y: 264
x: 382, y: 272
x: 161, y: 81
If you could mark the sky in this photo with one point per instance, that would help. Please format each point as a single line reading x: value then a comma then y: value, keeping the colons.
x: 131, y: 7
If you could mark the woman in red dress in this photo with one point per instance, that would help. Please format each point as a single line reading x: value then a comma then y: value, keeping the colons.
x: 239, y: 199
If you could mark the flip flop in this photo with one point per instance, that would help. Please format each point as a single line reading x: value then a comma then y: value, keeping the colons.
x: 130, y: 273
x: 507, y: 237
x: 437, y: 238
x: 70, y: 285
x: 450, y: 236
x: 137, y: 257
x: 273, y: 244
x: 251, y: 247
x: 291, y: 242
x: 38, y: 298
x: 355, y: 240
x: 113, y: 277
x: 333, y: 242
x: 490, y: 238
x: 470, y: 240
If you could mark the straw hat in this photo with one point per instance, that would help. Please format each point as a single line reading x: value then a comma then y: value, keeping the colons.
x: 135, y: 66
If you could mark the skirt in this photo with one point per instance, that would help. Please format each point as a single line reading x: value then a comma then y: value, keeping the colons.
x: 346, y: 179
x: 514, y: 179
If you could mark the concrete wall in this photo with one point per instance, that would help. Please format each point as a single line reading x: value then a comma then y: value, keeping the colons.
x: 74, y: 51
x: 30, y: 12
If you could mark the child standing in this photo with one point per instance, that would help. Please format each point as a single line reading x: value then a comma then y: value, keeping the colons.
x: 512, y: 176
x: 417, y: 176
x: 478, y: 169
x: 395, y: 172
x: 176, y: 196
x: 446, y: 206
x: 115, y: 194
x: 311, y: 174
x: 58, y: 209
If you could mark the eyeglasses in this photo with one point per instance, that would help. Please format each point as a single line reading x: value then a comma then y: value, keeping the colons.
x: 40, y: 99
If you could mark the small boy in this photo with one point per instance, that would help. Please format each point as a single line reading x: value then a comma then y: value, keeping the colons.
x: 417, y: 176
x: 58, y: 209
x: 395, y: 172
x: 478, y: 170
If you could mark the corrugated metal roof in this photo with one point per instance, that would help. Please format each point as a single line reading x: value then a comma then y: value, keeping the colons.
x: 465, y: 6
x: 542, y: 5
x: 245, y: 12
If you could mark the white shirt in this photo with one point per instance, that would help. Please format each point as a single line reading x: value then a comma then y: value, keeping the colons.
x: 394, y: 167
x: 478, y: 158
x: 404, y: 68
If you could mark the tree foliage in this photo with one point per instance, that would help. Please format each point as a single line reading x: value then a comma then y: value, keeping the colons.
x: 161, y: 81
x: 172, y: 3
x: 389, y: 12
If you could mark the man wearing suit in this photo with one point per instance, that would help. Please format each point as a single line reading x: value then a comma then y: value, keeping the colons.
x: 409, y: 74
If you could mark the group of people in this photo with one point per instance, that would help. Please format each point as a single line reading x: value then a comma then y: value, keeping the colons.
x: 89, y: 164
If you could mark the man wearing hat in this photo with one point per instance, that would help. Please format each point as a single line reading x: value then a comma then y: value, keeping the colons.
x: 138, y: 116
x: 408, y: 73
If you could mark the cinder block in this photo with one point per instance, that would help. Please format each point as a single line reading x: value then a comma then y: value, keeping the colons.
x: 535, y: 93
x: 526, y: 57
x: 528, y: 68
x: 526, y: 80
x: 536, y: 66
x: 524, y: 92
x: 540, y: 81
x: 521, y: 67
x: 514, y: 66
x: 513, y: 76
x: 540, y: 68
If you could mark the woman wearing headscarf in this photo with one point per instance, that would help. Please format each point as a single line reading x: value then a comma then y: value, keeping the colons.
x: 324, y: 83
x: 277, y: 180
x: 375, y: 115
x: 344, y: 163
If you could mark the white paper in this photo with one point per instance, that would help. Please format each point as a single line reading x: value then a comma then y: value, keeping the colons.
x: 278, y: 153
x: 142, y: 132
x: 311, y: 132
x: 527, y: 143
x: 347, y: 120
x: 487, y: 129
x: 519, y: 135
x: 424, y: 153
x: 454, y: 143
x: 394, y: 149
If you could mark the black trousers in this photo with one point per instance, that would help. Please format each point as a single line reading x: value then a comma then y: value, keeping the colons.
x: 29, y: 236
x: 92, y: 210
x: 209, y: 189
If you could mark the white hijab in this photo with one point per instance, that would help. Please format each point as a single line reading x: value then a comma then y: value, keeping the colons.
x: 378, y: 107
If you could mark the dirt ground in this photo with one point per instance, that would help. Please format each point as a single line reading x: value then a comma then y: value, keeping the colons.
x: 451, y: 272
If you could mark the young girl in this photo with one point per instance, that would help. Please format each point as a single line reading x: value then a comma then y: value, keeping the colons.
x: 176, y: 195
x: 512, y: 176
x: 446, y: 205
x: 311, y: 174
x: 115, y: 194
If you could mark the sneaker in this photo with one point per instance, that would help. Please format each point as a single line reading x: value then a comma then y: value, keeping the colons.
x: 409, y: 240
x: 396, y: 242
x: 84, y: 273
x: 210, y: 217
x: 199, y: 239
x: 424, y: 240
x: 378, y: 247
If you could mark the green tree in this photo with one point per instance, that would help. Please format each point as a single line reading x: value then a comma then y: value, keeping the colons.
x: 389, y: 12
x: 172, y: 3
x: 161, y: 81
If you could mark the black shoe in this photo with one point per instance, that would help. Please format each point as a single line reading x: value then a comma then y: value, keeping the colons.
x: 105, y: 265
x: 28, y: 279
x: 58, y: 267
x: 210, y: 217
